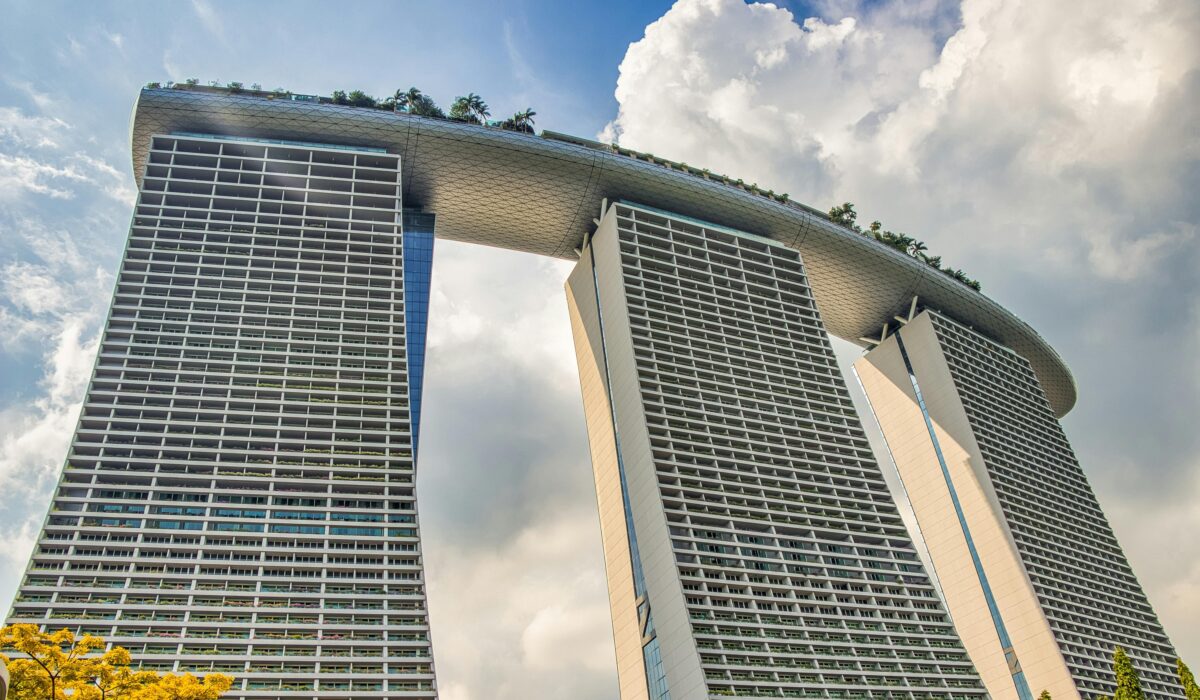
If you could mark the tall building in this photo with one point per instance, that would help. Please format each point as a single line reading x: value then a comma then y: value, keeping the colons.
x: 240, y: 495
x: 1039, y: 589
x: 751, y: 544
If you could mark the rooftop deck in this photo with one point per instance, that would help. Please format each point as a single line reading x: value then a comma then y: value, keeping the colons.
x: 539, y: 194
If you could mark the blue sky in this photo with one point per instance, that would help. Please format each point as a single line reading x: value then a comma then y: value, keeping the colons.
x: 1051, y: 151
x: 561, y: 56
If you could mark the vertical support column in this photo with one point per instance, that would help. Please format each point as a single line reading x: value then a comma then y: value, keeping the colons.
x: 418, y: 231
x: 616, y: 519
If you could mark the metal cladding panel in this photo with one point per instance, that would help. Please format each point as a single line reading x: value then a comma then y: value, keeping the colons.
x: 518, y: 191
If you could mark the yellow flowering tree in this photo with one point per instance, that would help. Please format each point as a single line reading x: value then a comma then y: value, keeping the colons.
x: 109, y: 676
x: 184, y: 687
x: 51, y: 662
x: 59, y: 666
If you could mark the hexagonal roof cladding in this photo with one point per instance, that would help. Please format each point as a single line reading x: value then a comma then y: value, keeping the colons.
x: 535, y: 194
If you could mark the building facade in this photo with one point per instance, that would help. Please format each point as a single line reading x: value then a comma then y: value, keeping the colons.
x: 238, y: 496
x: 1039, y: 589
x: 751, y: 544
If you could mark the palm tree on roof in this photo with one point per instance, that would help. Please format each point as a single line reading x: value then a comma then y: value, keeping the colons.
x: 521, y: 121
x: 478, y: 107
x: 412, y: 98
x: 470, y: 108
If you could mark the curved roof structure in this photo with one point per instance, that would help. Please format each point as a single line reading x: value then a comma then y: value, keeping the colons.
x: 539, y: 195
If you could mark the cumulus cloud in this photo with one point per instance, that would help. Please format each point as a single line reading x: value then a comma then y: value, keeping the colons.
x: 33, y: 442
x: 517, y: 596
x: 52, y: 288
x: 34, y: 437
x: 856, y: 107
x: 52, y: 303
x: 19, y: 130
x: 207, y: 14
x: 61, y: 205
x: 1051, y: 150
x: 33, y: 160
x: 20, y: 175
x: 52, y: 299
x: 526, y: 619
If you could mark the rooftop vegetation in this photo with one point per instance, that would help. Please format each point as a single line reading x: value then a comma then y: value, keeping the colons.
x: 845, y: 215
x: 469, y: 108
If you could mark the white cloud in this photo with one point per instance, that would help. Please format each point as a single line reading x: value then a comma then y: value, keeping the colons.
x: 51, y: 290
x: 521, y: 310
x: 116, y: 39
x: 34, y: 439
x: 208, y: 17
x: 17, y: 536
x: 51, y: 302
x: 172, y: 69
x: 75, y: 47
x: 19, y: 130
x: 103, y: 176
x: 33, y: 161
x: 42, y: 100
x: 518, y: 604
x: 526, y: 620
x: 1050, y: 149
x: 1020, y: 94
x: 20, y: 175
x: 1129, y: 260
x: 563, y: 635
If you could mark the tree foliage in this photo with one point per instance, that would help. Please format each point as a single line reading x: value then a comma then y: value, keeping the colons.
x: 521, y: 121
x: 1045, y: 695
x: 1129, y: 686
x: 845, y: 215
x: 470, y: 108
x: 184, y: 687
x: 358, y: 98
x: 1190, y: 689
x: 412, y: 101
x: 423, y: 106
x: 52, y: 661
x: 408, y: 100
x: 46, y: 665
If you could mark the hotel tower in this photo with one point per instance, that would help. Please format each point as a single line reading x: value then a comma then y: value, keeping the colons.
x: 1039, y: 589
x: 239, y: 496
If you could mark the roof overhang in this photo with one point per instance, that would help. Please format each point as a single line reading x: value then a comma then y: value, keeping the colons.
x: 522, y: 192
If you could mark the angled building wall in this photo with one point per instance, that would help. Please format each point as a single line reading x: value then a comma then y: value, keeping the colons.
x: 735, y: 480
x: 1035, y: 580
x: 238, y: 495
